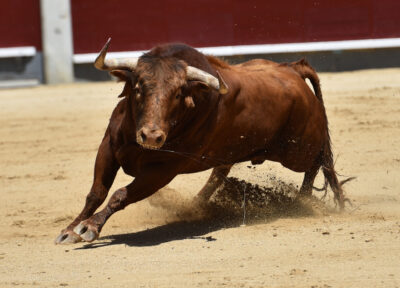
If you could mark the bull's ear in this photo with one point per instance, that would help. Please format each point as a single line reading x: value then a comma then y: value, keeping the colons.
x: 125, y: 76
x: 122, y: 75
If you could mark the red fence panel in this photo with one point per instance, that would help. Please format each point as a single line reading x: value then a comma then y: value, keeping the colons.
x: 20, y: 23
x: 139, y: 25
x: 386, y: 18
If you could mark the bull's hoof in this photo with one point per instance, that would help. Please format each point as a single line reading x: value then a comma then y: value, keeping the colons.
x: 87, y: 232
x: 67, y: 237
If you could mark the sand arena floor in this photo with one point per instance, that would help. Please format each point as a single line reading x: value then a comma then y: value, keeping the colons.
x: 48, y: 141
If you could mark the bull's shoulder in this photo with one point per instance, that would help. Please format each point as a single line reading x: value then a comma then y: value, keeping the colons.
x: 113, y: 135
x: 117, y: 116
x: 119, y: 109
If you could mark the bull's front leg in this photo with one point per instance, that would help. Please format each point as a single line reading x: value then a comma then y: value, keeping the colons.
x: 106, y: 168
x: 142, y: 187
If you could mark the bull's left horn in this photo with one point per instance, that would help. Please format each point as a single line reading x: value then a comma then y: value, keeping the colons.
x: 219, y: 84
x: 114, y: 63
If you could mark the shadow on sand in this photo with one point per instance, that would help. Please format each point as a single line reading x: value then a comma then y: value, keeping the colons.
x: 225, y: 210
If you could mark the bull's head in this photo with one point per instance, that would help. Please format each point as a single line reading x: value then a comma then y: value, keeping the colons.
x: 159, y: 89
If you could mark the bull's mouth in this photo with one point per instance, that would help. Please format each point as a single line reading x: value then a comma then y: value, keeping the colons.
x: 150, y: 147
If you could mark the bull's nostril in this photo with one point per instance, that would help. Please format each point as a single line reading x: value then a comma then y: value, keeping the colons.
x: 159, y: 139
x: 143, y: 136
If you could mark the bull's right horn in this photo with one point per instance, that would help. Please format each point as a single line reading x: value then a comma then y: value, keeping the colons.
x: 114, y: 63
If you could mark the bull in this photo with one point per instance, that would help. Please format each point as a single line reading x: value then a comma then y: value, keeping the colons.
x: 184, y: 112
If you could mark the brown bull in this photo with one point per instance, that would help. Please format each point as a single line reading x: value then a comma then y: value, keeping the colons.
x: 184, y: 112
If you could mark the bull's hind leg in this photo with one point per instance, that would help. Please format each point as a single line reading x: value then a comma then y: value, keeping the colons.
x: 216, y: 179
x: 308, y: 181
x: 106, y: 168
x: 330, y: 178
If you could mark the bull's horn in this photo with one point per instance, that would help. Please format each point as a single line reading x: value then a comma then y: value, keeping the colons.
x: 114, y: 63
x: 219, y: 84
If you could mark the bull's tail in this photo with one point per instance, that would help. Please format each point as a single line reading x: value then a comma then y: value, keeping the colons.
x: 306, y: 71
x: 327, y: 163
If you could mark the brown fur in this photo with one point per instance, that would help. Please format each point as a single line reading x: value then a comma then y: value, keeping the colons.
x: 269, y: 113
x: 217, y: 62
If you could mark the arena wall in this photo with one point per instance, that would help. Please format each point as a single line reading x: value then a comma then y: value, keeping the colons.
x: 239, y: 30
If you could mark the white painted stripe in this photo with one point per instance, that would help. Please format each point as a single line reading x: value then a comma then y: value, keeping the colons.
x: 19, y: 83
x: 267, y: 48
x: 27, y: 51
x: 302, y: 47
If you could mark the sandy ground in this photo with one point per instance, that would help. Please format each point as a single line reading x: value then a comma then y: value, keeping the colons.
x: 48, y: 142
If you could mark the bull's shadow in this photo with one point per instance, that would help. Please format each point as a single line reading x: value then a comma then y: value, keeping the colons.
x: 263, y: 205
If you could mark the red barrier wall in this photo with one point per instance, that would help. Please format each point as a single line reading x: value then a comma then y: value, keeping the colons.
x: 139, y: 25
x: 20, y: 23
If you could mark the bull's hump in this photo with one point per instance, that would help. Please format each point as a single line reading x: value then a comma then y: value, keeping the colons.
x: 182, y: 52
x: 171, y: 50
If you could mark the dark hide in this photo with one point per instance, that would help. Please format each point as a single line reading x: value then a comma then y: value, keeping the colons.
x: 269, y: 113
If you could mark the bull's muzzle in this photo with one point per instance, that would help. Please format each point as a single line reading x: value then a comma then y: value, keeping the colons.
x: 150, y: 138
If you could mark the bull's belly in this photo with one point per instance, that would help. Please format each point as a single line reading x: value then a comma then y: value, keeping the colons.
x: 294, y: 158
x: 297, y: 155
x: 299, y: 160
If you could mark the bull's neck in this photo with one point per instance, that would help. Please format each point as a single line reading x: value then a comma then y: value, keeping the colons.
x: 192, y: 129
x: 128, y: 123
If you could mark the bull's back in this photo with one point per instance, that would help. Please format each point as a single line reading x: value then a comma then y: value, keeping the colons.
x: 270, y: 96
x: 275, y: 114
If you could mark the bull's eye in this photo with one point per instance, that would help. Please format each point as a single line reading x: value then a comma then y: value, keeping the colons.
x: 178, y: 93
